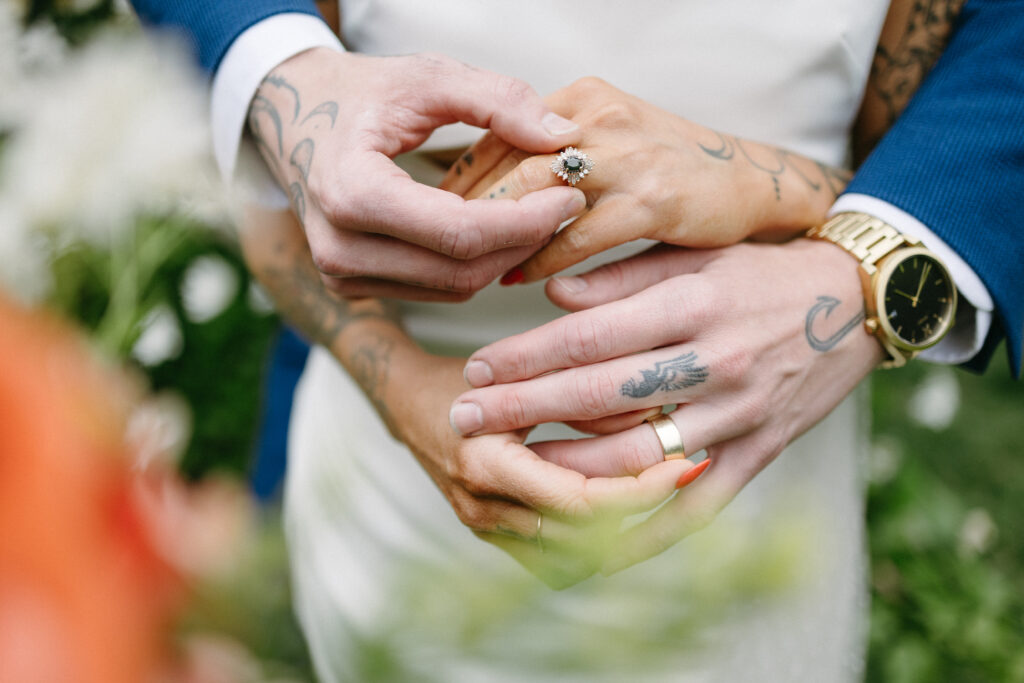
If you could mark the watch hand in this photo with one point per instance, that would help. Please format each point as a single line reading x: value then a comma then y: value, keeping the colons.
x: 920, y: 285
x: 912, y: 298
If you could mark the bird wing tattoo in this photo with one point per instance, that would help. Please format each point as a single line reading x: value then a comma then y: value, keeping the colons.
x: 668, y: 375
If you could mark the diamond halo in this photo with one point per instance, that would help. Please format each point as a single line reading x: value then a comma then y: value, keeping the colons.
x: 572, y: 165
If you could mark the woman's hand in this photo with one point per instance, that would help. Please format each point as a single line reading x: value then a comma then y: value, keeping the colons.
x: 498, y: 487
x: 754, y: 343
x: 656, y: 176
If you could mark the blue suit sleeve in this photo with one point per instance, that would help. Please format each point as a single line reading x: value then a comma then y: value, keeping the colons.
x: 211, y: 27
x: 955, y: 159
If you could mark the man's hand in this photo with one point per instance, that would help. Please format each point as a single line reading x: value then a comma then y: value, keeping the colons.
x: 328, y: 125
x: 754, y: 343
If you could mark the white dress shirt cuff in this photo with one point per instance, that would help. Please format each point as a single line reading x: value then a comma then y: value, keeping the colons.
x: 252, y: 55
x: 974, y: 310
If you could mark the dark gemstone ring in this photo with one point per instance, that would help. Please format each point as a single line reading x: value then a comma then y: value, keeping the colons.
x: 572, y: 165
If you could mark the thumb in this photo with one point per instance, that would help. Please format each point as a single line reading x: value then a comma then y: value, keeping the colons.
x: 508, y: 106
x: 619, y: 279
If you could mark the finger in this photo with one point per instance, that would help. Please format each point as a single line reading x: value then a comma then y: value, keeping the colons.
x: 691, y: 510
x: 496, y: 516
x: 394, y: 204
x: 517, y: 175
x: 361, y: 288
x: 614, y: 221
x: 614, y: 424
x: 475, y: 163
x: 516, y: 474
x: 620, y: 279
x: 557, y: 568
x: 660, y: 315
x: 669, y: 375
x: 505, y: 105
x: 346, y: 254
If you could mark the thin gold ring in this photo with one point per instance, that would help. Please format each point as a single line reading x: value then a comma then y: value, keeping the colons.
x: 668, y: 434
x: 540, y: 531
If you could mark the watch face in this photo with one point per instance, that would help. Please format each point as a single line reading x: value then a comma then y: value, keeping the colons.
x: 918, y: 300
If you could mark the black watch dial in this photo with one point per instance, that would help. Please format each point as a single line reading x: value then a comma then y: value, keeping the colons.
x: 919, y: 300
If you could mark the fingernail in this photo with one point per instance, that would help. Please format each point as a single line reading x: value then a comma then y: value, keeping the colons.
x: 466, y: 418
x: 577, y: 203
x: 478, y: 373
x: 573, y: 284
x: 556, y: 125
x: 693, y: 473
x: 512, y: 277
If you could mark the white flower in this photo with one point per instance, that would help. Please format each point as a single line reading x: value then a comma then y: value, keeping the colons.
x: 120, y: 130
x: 208, y: 287
x: 937, y: 400
x: 161, y: 338
x: 978, y: 533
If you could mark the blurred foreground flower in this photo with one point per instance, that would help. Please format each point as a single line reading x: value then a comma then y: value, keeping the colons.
x: 97, y: 555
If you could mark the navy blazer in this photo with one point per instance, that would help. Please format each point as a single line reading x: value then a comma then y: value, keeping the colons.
x: 954, y: 159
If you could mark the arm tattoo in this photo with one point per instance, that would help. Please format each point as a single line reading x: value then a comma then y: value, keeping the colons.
x: 270, y: 139
x: 914, y: 36
x: 828, y: 304
x: 668, y: 375
x: 831, y: 179
x: 370, y: 364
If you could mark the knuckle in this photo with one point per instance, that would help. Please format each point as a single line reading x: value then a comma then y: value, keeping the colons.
x: 459, y: 241
x: 594, y: 392
x: 614, y: 114
x: 589, y: 85
x: 636, y: 458
x: 530, y: 175
x: 585, y: 339
x: 734, y: 364
x: 513, y: 90
x: 512, y: 409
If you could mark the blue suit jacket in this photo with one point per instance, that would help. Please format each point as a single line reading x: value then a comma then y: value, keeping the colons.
x: 955, y: 158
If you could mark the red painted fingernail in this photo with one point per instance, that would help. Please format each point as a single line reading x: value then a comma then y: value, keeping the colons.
x: 513, y: 277
x: 692, y: 473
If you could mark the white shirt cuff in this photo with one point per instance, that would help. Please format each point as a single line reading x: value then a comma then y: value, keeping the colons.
x: 974, y: 310
x: 252, y: 55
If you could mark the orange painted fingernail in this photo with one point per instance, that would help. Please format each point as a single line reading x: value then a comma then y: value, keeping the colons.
x: 692, y: 473
x: 513, y: 277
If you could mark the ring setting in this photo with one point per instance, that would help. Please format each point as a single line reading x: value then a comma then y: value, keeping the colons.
x: 572, y: 165
x: 668, y: 434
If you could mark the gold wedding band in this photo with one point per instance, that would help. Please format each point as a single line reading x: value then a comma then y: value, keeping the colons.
x: 540, y: 531
x: 669, y: 436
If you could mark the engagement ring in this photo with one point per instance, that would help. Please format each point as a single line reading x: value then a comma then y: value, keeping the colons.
x: 572, y: 165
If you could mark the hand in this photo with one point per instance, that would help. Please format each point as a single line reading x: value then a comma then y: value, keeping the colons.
x: 497, y: 487
x: 328, y: 125
x: 656, y: 176
x: 755, y: 343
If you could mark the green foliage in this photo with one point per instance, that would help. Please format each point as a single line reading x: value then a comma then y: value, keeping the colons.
x: 947, y: 593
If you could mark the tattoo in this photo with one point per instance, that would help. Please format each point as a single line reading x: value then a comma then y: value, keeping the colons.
x: 781, y: 160
x: 828, y: 304
x: 370, y: 364
x: 328, y: 109
x: 261, y: 105
x: 298, y: 200
x: 271, y: 142
x: 280, y: 82
x: 669, y: 375
x: 302, y: 158
x: 915, y: 34
x: 468, y: 158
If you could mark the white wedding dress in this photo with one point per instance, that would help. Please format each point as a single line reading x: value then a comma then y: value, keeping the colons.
x: 389, y: 585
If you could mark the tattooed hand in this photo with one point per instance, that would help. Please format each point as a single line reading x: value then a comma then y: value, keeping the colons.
x: 656, y: 176
x: 738, y: 338
x: 328, y: 124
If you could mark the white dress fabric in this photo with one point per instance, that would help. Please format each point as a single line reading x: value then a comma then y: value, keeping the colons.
x: 389, y: 585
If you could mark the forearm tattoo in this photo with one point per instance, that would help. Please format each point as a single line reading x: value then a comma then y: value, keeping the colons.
x: 821, y: 311
x: 266, y: 125
x: 677, y: 373
x: 778, y: 162
x: 914, y: 37
x: 294, y: 284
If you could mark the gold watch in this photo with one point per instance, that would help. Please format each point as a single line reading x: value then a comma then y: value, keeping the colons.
x: 909, y: 295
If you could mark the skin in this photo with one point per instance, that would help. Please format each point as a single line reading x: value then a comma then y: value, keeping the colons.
x: 658, y: 176
x: 372, y: 230
x: 495, y: 485
x: 334, y: 160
